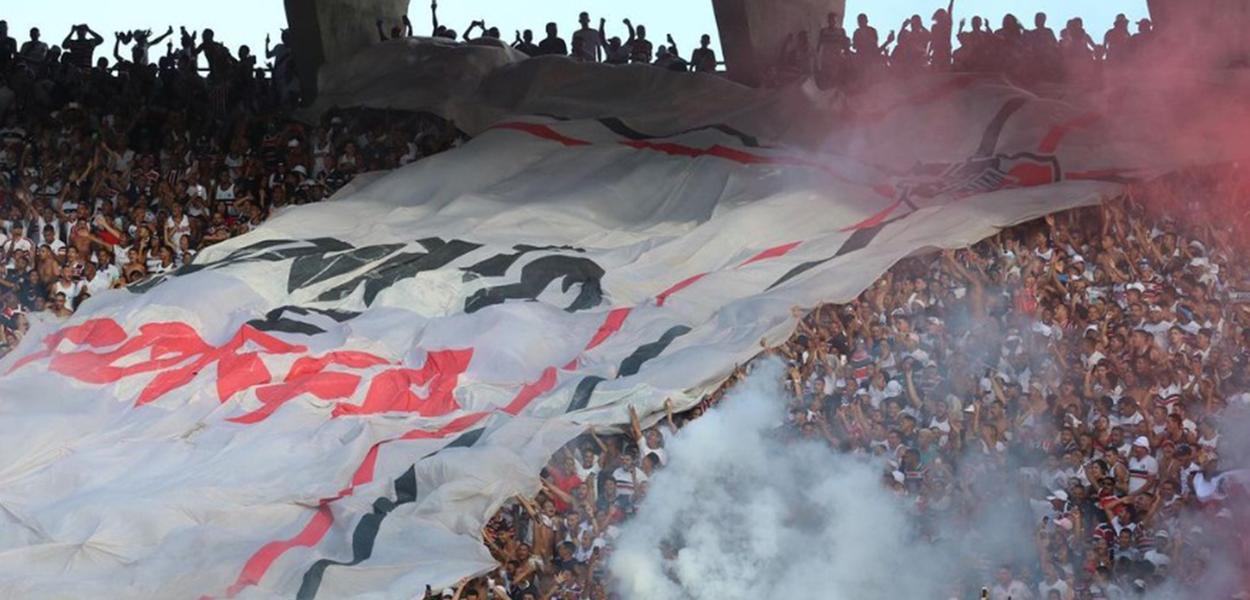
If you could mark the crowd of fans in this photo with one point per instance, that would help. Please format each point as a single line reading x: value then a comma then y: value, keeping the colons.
x: 1027, y: 55
x: 1075, y: 374
x: 1087, y: 359
x: 1022, y: 54
x: 109, y: 174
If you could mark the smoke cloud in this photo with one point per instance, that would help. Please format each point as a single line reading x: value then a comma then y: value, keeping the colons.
x: 739, y: 513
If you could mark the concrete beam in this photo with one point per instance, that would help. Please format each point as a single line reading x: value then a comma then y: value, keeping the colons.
x: 752, y: 31
x: 324, y: 31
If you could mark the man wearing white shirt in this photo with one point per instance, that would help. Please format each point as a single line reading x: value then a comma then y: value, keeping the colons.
x: 100, y: 280
x: 1143, y: 469
x: 1007, y: 587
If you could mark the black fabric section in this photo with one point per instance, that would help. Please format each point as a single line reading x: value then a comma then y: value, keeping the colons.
x: 364, y: 536
x: 498, y: 265
x: 989, y: 139
x: 366, y: 532
x: 619, y: 127
x: 585, y: 388
x: 262, y: 251
x: 467, y: 439
x: 857, y: 241
x: 537, y: 275
x: 646, y: 352
x: 860, y: 239
x: 313, y: 269
x: 278, y: 319
x: 404, y: 265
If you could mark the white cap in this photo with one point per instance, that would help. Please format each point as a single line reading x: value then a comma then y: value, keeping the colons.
x: 1058, y: 495
x: 1141, y: 442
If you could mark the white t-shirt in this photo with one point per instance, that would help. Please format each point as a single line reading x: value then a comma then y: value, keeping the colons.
x: 644, y: 449
x: 625, y: 483
x: 71, y: 291
x: 1016, y: 590
x: 1139, y: 469
x: 1061, y: 586
x: 590, y: 44
x: 181, y: 228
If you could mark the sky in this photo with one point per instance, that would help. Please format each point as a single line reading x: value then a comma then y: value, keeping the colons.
x: 247, y: 21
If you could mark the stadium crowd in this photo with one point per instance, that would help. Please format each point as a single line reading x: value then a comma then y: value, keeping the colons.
x: 1087, y: 359
x: 1075, y: 374
x: 115, y: 173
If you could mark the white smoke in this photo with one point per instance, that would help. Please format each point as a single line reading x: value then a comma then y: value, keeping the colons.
x: 741, y: 514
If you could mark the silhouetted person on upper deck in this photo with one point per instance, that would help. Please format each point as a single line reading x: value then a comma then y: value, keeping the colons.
x: 552, y: 44
x: 586, y: 41
x: 865, y: 43
x: 1116, y: 43
x: 614, y: 52
x: 703, y: 59
x: 525, y: 43
x: 913, y: 44
x: 638, y: 44
x: 940, y: 37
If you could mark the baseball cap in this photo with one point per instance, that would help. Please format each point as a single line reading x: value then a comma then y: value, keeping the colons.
x: 1141, y: 442
x: 1058, y: 495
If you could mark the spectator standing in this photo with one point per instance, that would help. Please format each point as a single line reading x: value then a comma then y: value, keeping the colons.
x: 553, y: 44
x: 587, y: 41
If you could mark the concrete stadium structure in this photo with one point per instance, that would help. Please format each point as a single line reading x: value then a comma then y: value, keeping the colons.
x: 752, y: 31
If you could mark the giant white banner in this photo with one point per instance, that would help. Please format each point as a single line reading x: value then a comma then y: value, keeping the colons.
x: 333, y: 405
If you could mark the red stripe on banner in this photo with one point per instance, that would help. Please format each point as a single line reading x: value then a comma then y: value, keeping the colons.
x: 1055, y: 136
x: 531, y: 391
x: 317, y: 527
x: 675, y: 149
x: 611, y: 325
x: 677, y: 287
x: 876, y: 219
x: 773, y: 252
x: 1099, y: 174
x: 264, y: 558
x: 542, y: 131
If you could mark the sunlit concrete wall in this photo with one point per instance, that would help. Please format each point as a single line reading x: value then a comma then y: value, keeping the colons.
x: 326, y: 30
x: 752, y: 31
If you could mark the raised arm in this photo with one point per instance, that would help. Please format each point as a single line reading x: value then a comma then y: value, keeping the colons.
x: 117, y: 55
x: 434, y: 15
x: 631, y: 31
x: 168, y: 32
x: 635, y: 427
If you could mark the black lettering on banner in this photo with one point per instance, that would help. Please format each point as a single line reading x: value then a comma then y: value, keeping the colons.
x: 262, y: 251
x: 321, y: 260
x: 538, y: 274
x: 312, y: 269
x: 404, y: 265
x: 498, y: 265
x: 281, y: 320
